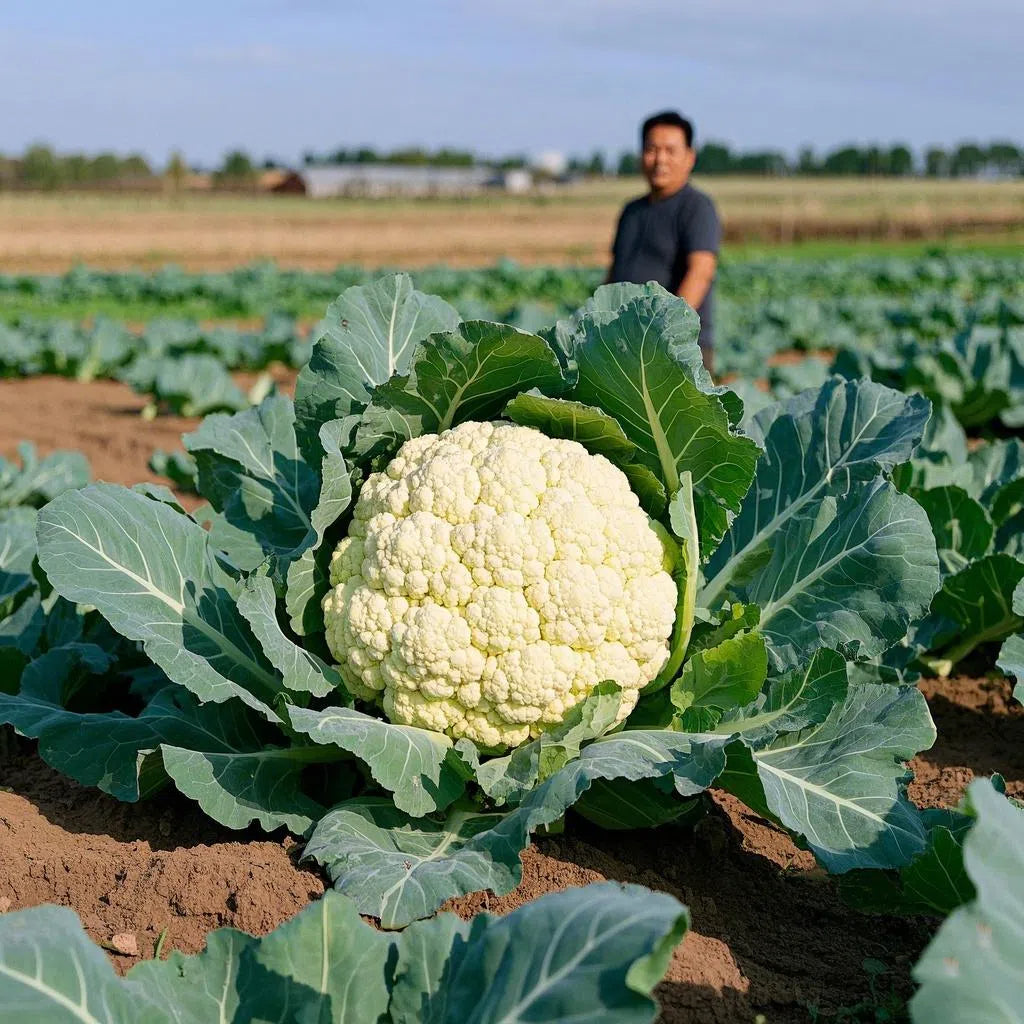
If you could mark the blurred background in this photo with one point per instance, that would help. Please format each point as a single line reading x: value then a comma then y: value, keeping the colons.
x: 312, y: 134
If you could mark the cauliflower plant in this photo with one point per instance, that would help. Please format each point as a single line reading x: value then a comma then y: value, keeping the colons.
x: 491, y: 578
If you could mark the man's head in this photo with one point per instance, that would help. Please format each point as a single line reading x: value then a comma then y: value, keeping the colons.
x: 666, y: 152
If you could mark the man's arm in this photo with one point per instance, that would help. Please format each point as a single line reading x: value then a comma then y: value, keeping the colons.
x: 700, y: 272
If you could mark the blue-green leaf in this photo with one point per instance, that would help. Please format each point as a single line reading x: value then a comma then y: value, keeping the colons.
x: 970, y: 973
x: 150, y: 572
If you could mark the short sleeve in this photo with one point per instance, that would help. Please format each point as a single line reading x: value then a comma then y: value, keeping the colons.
x: 703, y: 228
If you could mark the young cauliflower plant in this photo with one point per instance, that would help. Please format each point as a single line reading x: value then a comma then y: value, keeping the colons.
x: 491, y: 578
x: 474, y: 578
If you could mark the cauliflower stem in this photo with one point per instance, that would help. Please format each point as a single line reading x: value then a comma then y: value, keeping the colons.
x: 686, y: 572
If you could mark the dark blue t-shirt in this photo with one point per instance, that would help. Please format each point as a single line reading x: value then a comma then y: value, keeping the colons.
x: 654, y: 239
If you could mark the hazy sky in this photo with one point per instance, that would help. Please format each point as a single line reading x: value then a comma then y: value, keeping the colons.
x: 501, y: 76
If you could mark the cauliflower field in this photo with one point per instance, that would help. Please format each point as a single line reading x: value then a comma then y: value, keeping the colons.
x: 477, y: 583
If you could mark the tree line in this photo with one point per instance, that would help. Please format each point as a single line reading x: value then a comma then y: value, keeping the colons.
x: 41, y: 167
x: 411, y: 156
x: 965, y: 160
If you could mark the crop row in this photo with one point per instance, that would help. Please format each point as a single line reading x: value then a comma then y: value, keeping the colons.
x: 962, y: 347
x: 259, y: 289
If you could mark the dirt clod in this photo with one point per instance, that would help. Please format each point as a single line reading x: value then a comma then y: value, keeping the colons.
x: 125, y: 943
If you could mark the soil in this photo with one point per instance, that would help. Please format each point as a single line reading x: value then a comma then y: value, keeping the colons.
x: 47, y: 233
x: 769, y: 935
x: 102, y: 420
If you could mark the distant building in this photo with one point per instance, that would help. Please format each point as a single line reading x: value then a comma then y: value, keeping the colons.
x: 516, y: 179
x: 291, y: 183
x: 271, y: 179
x: 329, y: 181
x: 552, y: 163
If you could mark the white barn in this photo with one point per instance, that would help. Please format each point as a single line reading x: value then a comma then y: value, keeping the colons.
x: 322, y: 182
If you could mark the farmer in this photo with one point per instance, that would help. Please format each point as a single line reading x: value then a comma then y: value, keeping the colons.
x: 671, y: 235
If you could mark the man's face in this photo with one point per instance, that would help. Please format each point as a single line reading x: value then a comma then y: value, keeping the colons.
x: 666, y: 159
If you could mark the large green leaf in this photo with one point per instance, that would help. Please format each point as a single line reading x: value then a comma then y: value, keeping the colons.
x: 251, y: 471
x: 817, y: 444
x: 368, y: 334
x: 301, y: 670
x: 971, y: 971
x: 841, y: 783
x: 647, y: 487
x: 962, y: 528
x: 935, y: 883
x: 17, y: 552
x: 94, y: 749
x: 790, y: 702
x: 323, y: 965
x: 850, y: 573
x: 235, y: 547
x: 722, y: 678
x: 995, y: 465
x: 641, y: 364
x: 592, y: 954
x: 150, y: 572
x: 21, y: 629
x: 609, y: 298
x: 941, y: 457
x: 1011, y: 661
x: 648, y: 803
x: 307, y: 581
x: 593, y: 428
x: 468, y: 373
x: 980, y: 601
x: 417, y: 766
x: 51, y: 973
x: 239, y: 772
x: 197, y: 988
x: 398, y: 868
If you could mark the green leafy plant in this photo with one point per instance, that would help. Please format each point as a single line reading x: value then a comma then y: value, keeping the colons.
x: 595, y: 952
x: 35, y: 481
x: 178, y: 466
x: 978, y: 372
x: 971, y: 970
x: 793, y: 554
x: 975, y: 504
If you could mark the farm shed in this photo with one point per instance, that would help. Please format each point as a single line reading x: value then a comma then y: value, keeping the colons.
x: 391, y: 179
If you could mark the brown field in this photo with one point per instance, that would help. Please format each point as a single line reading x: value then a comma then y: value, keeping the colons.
x: 567, y: 226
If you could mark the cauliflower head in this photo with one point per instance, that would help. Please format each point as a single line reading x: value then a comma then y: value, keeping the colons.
x: 491, y: 578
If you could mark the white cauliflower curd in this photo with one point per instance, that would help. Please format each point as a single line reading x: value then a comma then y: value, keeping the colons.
x: 491, y: 578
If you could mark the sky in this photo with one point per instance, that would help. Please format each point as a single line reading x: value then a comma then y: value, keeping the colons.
x: 499, y: 77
